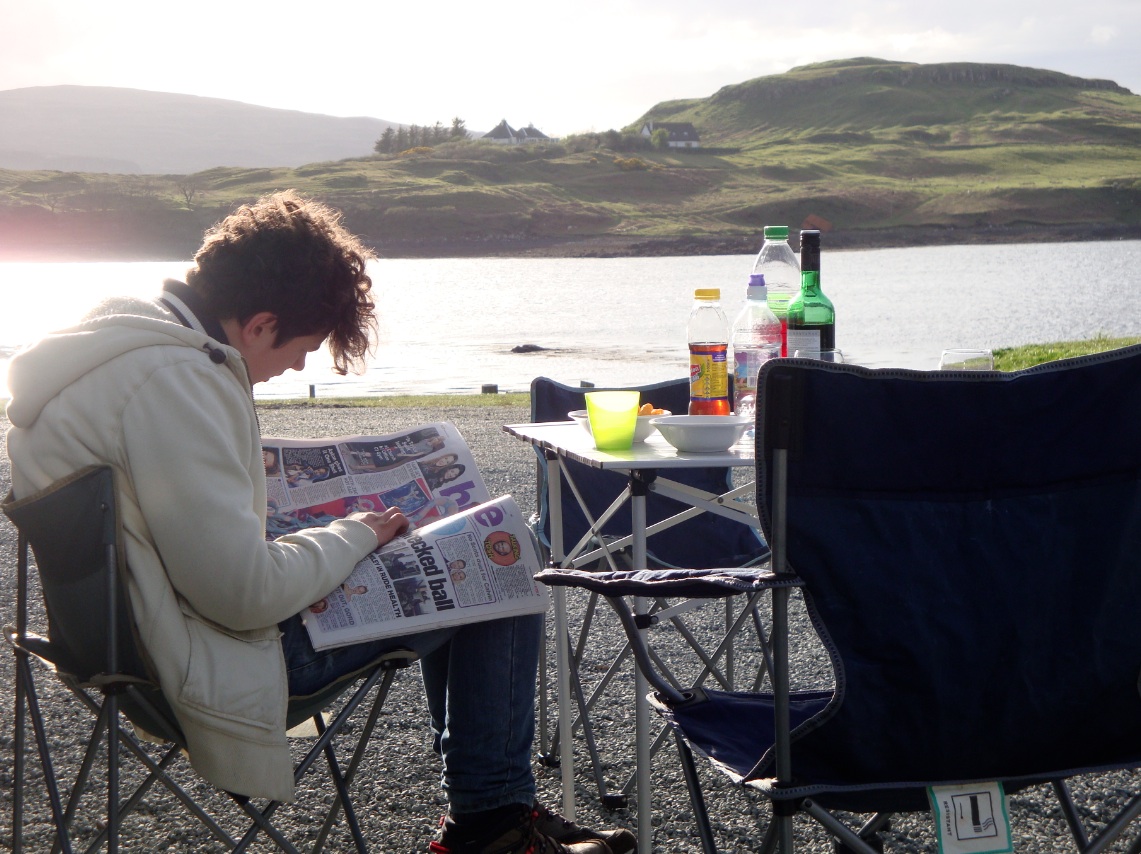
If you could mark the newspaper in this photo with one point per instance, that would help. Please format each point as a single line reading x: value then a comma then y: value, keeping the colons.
x: 468, y: 557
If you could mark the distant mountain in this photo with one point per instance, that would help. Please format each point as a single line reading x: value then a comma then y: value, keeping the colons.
x: 131, y: 131
x: 871, y: 151
x: 864, y: 97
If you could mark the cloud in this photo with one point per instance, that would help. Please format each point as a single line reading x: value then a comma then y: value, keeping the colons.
x: 1102, y: 34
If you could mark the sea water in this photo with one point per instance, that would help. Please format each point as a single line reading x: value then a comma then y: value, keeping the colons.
x: 449, y: 325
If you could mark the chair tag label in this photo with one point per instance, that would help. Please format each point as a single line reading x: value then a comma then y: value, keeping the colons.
x: 971, y: 818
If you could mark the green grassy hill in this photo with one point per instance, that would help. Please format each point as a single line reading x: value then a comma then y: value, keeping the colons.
x: 875, y: 152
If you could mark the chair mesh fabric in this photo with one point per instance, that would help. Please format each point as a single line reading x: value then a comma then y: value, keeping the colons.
x: 973, y: 567
x: 701, y: 542
x: 70, y: 528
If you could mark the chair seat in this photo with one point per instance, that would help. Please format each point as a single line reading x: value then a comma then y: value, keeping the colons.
x: 733, y: 728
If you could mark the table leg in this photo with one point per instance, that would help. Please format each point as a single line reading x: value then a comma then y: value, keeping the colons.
x: 641, y: 686
x: 562, y: 664
x: 562, y: 642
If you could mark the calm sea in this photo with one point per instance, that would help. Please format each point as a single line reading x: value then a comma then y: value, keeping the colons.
x: 448, y: 325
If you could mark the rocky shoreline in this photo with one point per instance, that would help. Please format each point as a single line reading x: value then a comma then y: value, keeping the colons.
x: 401, y: 806
x: 608, y: 246
x: 123, y: 245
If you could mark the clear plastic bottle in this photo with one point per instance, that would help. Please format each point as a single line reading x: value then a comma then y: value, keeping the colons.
x: 708, y: 335
x: 756, y: 338
x: 778, y: 263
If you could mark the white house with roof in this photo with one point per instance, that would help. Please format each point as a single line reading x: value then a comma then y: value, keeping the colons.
x: 681, y: 134
x: 504, y: 134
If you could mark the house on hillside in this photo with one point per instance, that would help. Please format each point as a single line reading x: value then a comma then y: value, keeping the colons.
x: 504, y: 134
x: 681, y: 134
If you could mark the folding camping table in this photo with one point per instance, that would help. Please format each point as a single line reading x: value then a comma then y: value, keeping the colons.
x: 647, y: 464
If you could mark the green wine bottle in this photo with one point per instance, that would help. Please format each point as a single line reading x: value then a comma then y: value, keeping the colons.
x: 811, y: 317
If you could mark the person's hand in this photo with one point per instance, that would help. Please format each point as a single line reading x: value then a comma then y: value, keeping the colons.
x: 386, y: 524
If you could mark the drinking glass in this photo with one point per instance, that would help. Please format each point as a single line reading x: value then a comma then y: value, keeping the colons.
x: 613, y: 415
x: 966, y: 360
x: 826, y: 355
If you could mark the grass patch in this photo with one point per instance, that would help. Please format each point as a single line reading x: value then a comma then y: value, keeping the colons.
x: 1017, y: 358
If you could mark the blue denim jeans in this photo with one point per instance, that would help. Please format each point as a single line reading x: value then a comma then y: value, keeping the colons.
x: 479, y: 681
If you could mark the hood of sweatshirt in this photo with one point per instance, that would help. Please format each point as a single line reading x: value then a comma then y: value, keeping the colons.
x: 116, y: 326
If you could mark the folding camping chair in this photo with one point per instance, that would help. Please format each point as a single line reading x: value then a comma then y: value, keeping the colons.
x: 969, y: 547
x: 703, y: 540
x: 73, y: 530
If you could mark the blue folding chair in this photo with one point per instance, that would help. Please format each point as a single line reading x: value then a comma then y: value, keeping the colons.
x: 969, y: 549
x: 703, y: 540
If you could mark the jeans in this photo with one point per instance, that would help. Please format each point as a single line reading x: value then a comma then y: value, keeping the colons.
x: 479, y: 681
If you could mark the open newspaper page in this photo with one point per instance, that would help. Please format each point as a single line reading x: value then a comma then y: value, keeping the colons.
x: 477, y: 565
x: 429, y: 473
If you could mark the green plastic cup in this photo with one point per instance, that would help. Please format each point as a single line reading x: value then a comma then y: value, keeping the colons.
x: 613, y: 416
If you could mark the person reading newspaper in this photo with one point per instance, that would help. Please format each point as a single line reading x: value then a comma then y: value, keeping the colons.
x: 161, y: 391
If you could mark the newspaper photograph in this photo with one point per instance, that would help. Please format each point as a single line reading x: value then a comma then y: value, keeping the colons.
x: 468, y: 558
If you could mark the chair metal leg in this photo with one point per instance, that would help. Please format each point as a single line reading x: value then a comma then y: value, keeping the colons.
x: 342, y: 788
x: 17, y: 764
x: 358, y: 752
x: 1115, y: 828
x: 608, y: 800
x: 156, y: 772
x: 696, y: 798
x: 837, y: 828
x: 63, y: 839
x: 111, y: 704
x: 1070, y: 813
x: 1135, y: 848
x: 769, y: 842
x: 18, y: 759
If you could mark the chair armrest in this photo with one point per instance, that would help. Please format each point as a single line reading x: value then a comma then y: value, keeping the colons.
x: 687, y: 583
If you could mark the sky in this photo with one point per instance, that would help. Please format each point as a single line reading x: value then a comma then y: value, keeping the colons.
x: 567, y: 67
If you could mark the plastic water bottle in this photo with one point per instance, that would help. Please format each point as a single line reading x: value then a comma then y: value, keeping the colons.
x: 777, y: 262
x: 755, y: 339
x: 708, y: 334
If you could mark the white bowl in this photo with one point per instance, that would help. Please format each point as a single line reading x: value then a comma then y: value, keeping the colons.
x: 702, y: 434
x: 643, y: 429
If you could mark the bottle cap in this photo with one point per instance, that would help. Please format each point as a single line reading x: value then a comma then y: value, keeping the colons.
x: 757, y: 280
x: 707, y: 293
x: 776, y: 232
x: 810, y: 250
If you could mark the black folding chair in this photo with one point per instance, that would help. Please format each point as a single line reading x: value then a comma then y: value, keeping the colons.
x: 702, y: 540
x: 73, y: 531
x: 969, y: 548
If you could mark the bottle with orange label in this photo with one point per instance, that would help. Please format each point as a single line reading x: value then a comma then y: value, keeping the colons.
x: 708, y: 334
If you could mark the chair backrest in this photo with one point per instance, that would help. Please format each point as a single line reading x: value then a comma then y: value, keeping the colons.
x: 971, y: 549
x: 702, y: 542
x: 73, y: 530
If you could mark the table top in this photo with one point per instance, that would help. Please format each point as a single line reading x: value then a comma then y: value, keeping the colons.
x: 568, y: 439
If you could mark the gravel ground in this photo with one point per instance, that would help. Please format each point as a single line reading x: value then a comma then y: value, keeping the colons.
x: 400, y: 810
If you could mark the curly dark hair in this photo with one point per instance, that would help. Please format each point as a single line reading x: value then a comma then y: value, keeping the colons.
x: 290, y: 256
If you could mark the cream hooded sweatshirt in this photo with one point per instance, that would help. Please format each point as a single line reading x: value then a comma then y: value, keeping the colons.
x: 170, y: 410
